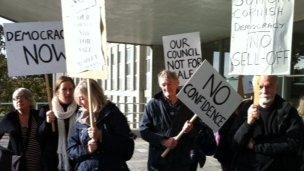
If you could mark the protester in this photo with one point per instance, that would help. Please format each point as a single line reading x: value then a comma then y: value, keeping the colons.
x: 270, y: 137
x: 105, y: 146
x: 164, y: 117
x: 22, y: 126
x: 301, y: 113
x: 63, y: 116
x: 301, y: 107
x: 226, y: 149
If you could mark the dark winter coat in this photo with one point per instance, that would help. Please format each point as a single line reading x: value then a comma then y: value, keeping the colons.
x: 50, y: 141
x: 161, y: 121
x: 77, y: 149
x: 277, y: 141
x: 227, y: 149
x: 10, y: 124
x: 115, y: 148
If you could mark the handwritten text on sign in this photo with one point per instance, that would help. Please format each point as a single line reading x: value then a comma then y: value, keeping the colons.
x: 209, y: 96
x: 82, y: 28
x: 34, y: 48
x: 182, y: 54
x: 261, y: 32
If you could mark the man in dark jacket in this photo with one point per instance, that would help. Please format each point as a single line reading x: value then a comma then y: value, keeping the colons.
x: 272, y: 133
x: 164, y: 117
x: 226, y: 148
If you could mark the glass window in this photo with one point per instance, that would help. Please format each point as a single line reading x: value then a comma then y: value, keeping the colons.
x: 130, y: 53
x: 128, y: 69
x: 294, y: 85
x: 129, y: 83
x: 148, y: 64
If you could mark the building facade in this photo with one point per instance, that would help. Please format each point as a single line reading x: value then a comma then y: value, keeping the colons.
x: 133, y: 69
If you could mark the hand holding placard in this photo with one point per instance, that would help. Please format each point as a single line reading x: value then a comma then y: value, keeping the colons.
x: 179, y: 136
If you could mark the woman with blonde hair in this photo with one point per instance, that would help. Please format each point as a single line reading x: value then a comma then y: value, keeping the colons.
x: 301, y: 107
x: 105, y: 146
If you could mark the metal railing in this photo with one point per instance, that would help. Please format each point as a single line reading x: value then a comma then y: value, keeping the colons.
x: 133, y: 111
x: 6, y: 107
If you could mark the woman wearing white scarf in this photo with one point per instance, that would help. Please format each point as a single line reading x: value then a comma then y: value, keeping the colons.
x: 63, y: 113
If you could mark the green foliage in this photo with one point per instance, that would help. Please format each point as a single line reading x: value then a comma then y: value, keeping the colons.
x: 2, y: 45
x: 8, y: 85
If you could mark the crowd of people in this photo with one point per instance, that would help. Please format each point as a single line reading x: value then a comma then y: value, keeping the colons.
x: 75, y: 133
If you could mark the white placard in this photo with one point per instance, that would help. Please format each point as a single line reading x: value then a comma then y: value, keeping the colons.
x: 261, y: 37
x: 208, y: 95
x: 82, y: 29
x: 34, y: 48
x: 182, y: 54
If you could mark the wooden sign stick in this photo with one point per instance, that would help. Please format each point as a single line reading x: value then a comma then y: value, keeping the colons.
x: 256, y: 91
x: 240, y: 88
x: 90, y: 103
x: 49, y: 96
x: 164, y: 154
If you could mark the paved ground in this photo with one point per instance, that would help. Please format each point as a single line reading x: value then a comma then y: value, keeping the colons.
x: 139, y: 159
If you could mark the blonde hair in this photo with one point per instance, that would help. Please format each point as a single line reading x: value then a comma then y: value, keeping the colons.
x: 98, y: 99
x: 301, y: 107
x: 26, y: 93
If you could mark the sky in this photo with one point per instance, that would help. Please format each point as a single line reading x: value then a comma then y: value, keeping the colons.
x: 2, y: 20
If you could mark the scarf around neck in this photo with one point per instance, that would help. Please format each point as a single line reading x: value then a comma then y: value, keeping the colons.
x: 61, y: 115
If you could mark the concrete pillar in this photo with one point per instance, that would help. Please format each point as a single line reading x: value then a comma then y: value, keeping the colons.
x: 157, y: 66
x: 141, y: 68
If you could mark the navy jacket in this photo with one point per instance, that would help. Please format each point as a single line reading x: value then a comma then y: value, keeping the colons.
x: 113, y: 151
x: 276, y: 142
x: 77, y: 149
x: 161, y: 121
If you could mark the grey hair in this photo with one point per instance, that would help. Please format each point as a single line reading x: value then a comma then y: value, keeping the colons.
x: 27, y: 94
x: 256, y: 79
x: 167, y: 74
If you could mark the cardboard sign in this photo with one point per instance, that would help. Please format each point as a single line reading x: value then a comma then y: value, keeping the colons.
x: 34, y: 48
x: 182, y: 54
x: 261, y: 37
x: 83, y: 41
x: 208, y: 95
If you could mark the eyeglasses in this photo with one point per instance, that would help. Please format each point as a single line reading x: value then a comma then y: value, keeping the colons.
x: 19, y: 98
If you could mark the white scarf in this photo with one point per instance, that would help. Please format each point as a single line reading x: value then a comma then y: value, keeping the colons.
x: 62, y: 138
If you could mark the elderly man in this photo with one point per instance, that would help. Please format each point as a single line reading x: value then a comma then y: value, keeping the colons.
x: 270, y: 136
x: 164, y: 117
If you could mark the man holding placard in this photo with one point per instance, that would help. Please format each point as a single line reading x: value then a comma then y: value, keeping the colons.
x: 164, y: 117
x: 270, y: 137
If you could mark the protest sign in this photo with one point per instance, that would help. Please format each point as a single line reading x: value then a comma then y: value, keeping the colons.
x: 34, y: 48
x: 182, y: 54
x: 208, y: 95
x: 83, y: 39
x: 261, y: 36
